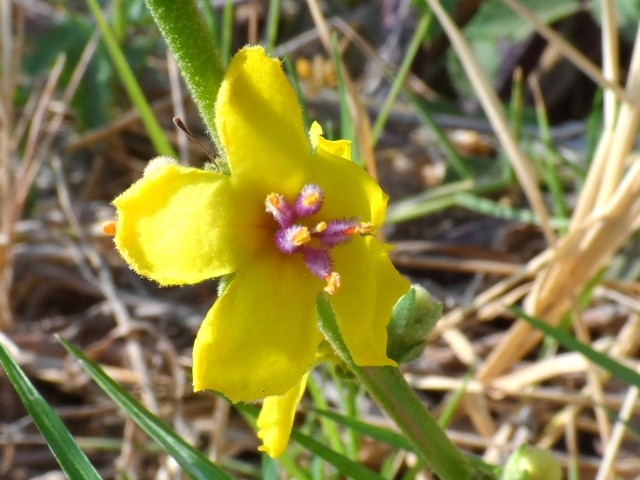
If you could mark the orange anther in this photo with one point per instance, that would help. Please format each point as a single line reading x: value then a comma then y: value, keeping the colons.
x: 319, y: 228
x: 109, y: 228
x: 274, y: 200
x: 300, y: 236
x: 333, y: 283
x: 364, y: 228
x: 312, y: 199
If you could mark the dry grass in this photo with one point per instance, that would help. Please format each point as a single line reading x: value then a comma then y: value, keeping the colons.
x: 59, y: 275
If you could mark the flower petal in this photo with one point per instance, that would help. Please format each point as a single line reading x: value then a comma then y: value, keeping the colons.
x: 179, y: 225
x: 370, y: 287
x: 276, y: 419
x: 340, y: 148
x: 259, y: 122
x: 260, y: 336
x: 349, y: 190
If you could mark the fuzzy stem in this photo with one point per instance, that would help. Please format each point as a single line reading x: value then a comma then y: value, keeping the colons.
x: 389, y: 388
x: 185, y: 31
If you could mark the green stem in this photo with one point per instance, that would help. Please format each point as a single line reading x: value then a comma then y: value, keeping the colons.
x: 389, y: 388
x: 185, y: 31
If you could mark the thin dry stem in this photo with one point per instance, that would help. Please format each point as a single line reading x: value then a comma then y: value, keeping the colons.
x: 594, y: 380
x: 177, y: 98
x: 588, y: 245
x: 605, y: 470
x: 569, y: 51
x: 610, y: 58
x: 358, y: 112
x: 527, y: 176
x: 107, y: 285
x: 625, y: 130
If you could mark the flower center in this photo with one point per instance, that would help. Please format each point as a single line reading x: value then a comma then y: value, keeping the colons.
x: 314, y: 242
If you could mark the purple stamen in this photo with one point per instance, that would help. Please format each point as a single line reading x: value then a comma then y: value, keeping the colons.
x: 314, y: 242
x: 337, y: 232
x: 318, y: 261
x: 309, y: 201
x: 281, y: 210
x: 291, y: 238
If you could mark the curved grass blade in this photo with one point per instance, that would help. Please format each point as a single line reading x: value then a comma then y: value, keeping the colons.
x: 70, y: 457
x: 343, y: 464
x: 190, y: 459
x: 377, y: 433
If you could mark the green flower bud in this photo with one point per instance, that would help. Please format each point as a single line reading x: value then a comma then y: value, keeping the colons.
x: 532, y: 463
x: 412, y: 318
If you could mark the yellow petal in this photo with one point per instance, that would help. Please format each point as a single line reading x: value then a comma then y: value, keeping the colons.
x: 260, y: 336
x: 276, y: 419
x: 180, y: 225
x: 349, y: 191
x: 259, y: 122
x: 370, y: 287
x: 340, y: 148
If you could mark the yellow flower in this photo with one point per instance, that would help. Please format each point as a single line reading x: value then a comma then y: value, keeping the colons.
x: 291, y: 220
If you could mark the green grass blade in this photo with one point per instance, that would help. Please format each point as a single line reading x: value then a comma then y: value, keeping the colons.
x: 269, y: 468
x: 72, y: 460
x: 400, y: 77
x: 155, y: 131
x: 209, y: 17
x: 550, y: 162
x: 439, y: 198
x: 226, y: 39
x: 190, y: 459
x: 344, y: 465
x: 273, y: 18
x: 348, y: 129
x: 295, y: 81
x: 447, y: 413
x: 378, y: 433
x: 458, y: 162
x: 568, y: 341
x: 329, y: 429
x: 497, y: 210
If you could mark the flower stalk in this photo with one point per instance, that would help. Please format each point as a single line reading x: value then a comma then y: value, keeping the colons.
x: 389, y: 388
x: 185, y: 31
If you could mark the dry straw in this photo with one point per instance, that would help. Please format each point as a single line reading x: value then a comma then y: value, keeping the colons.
x: 606, y: 215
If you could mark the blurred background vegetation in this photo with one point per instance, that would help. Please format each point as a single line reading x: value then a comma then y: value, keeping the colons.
x: 73, y: 136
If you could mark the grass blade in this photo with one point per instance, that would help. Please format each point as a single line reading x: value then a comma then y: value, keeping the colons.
x: 190, y: 459
x: 344, y: 465
x: 568, y: 341
x: 273, y: 19
x: 156, y: 133
x: 72, y: 460
x: 378, y: 433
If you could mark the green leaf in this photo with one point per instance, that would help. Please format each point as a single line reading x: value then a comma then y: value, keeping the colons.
x: 569, y: 342
x: 72, y: 460
x: 495, y: 20
x: 191, y: 460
